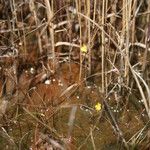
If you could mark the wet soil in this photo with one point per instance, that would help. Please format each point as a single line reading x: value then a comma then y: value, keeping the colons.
x: 41, y: 104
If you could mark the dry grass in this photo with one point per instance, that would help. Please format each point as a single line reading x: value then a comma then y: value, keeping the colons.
x: 39, y: 37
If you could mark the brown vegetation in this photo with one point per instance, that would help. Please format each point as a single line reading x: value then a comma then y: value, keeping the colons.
x: 59, y: 59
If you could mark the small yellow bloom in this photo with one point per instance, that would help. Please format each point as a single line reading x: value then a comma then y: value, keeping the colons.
x: 98, y: 106
x: 83, y: 48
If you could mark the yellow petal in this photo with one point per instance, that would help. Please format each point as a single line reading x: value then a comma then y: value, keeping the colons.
x: 83, y: 49
x: 98, y: 106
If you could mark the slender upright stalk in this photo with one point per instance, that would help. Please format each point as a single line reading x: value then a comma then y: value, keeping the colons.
x: 103, y: 45
x: 33, y: 9
x: 89, y: 38
x: 78, y: 7
x: 127, y: 29
x: 51, y: 29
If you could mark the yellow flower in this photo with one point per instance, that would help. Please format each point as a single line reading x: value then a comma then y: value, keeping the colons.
x: 83, y: 48
x: 98, y: 106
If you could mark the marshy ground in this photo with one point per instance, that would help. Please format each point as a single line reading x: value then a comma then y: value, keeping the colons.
x: 74, y: 74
